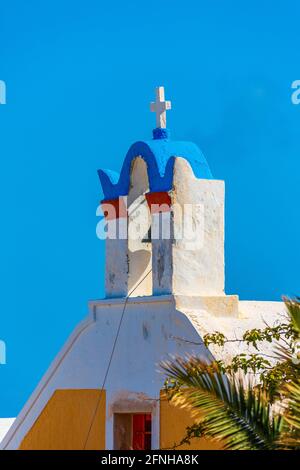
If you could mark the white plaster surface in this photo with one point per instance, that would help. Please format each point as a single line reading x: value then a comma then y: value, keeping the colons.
x: 180, y: 265
x: 153, y: 329
x: 191, y: 303
x: 5, y: 424
x: 139, y: 221
x: 198, y: 266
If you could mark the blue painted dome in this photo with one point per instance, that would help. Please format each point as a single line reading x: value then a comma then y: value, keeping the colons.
x: 159, y: 155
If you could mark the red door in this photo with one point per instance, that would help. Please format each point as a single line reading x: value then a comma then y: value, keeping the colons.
x: 141, y: 431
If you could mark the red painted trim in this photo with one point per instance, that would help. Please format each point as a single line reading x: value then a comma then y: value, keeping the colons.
x: 114, y: 208
x: 158, y: 202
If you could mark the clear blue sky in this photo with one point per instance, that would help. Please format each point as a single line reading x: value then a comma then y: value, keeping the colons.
x: 80, y: 76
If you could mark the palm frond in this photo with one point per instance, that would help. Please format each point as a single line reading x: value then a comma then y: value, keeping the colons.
x: 293, y: 415
x: 293, y: 307
x: 290, y: 438
x: 232, y: 410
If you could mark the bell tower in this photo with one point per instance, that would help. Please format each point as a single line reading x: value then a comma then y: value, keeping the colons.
x: 165, y: 219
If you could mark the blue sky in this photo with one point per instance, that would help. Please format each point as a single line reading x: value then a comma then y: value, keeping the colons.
x: 80, y: 76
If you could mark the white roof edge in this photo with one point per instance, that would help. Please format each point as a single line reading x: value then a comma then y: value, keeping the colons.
x: 5, y: 424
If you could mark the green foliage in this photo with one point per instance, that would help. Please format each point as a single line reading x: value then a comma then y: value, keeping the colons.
x: 254, y: 336
x: 192, y: 432
x: 245, y: 362
x: 214, y: 338
x: 272, y: 377
x: 294, y: 312
x: 293, y: 415
x: 237, y: 412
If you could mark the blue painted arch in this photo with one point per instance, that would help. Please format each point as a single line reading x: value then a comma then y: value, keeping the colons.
x: 159, y: 155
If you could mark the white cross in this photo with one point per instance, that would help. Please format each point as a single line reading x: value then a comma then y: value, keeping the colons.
x: 160, y: 106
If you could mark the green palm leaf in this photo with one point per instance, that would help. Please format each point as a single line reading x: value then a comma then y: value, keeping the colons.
x: 293, y: 307
x: 231, y: 410
x: 293, y: 415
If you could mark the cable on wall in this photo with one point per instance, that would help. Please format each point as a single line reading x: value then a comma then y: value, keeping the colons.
x: 111, y: 356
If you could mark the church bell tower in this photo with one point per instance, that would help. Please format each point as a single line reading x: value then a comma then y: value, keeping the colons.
x: 165, y: 219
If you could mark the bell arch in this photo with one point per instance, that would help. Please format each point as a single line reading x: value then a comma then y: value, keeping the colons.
x: 139, y: 231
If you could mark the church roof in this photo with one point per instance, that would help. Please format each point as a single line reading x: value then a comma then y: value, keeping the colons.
x: 5, y: 424
x: 159, y: 154
x: 252, y: 314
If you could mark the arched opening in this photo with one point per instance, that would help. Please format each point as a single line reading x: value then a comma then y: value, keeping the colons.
x: 139, y: 231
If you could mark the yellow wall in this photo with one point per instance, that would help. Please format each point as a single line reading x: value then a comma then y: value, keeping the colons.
x: 173, y: 423
x: 65, y: 421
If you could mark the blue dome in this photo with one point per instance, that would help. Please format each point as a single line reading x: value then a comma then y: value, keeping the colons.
x: 159, y: 154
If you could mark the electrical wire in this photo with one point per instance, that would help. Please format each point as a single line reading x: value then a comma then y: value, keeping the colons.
x: 111, y: 357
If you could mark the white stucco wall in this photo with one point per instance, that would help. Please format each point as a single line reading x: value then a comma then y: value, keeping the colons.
x: 145, y: 339
x: 180, y: 265
x: 198, y: 265
x: 191, y: 303
x: 153, y: 328
x: 5, y: 424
